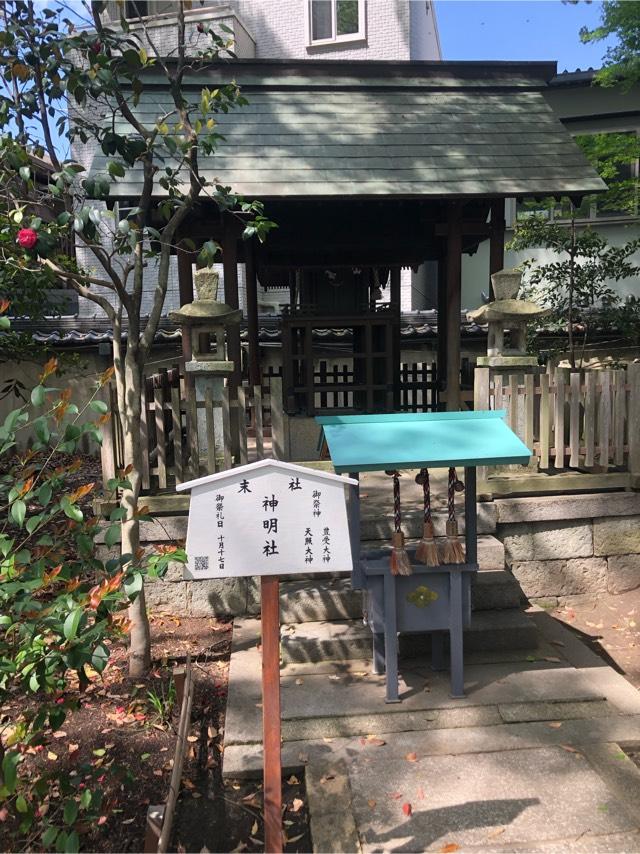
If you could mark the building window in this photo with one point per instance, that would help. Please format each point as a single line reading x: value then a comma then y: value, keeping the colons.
x: 135, y: 9
x: 332, y: 21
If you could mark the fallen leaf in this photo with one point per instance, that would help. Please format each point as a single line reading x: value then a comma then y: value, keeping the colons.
x: 73, y: 747
x: 297, y: 804
x: 372, y: 804
x: 326, y: 777
x: 212, y: 732
x: 52, y: 756
x: 59, y: 733
x: 374, y: 740
x: 299, y: 681
x: 411, y: 757
x: 158, y: 772
x: 495, y: 832
x: 4, y: 814
x: 570, y: 749
x: 447, y: 849
x: 192, y: 738
x: 196, y: 795
x: 553, y: 658
x: 406, y: 809
x: 293, y: 780
x: 102, y: 820
x: 395, y: 796
x: 555, y: 724
x: 254, y: 828
x: 291, y: 839
x: 420, y: 794
x: 557, y: 643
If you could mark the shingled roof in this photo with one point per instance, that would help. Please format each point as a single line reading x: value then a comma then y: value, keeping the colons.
x: 411, y: 129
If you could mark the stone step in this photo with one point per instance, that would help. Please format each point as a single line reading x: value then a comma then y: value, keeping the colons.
x: 305, y: 601
x: 319, y: 600
x: 344, y: 640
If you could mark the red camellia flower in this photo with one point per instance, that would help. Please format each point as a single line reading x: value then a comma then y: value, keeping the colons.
x: 27, y: 238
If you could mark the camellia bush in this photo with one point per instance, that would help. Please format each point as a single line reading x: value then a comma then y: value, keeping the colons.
x: 61, y: 609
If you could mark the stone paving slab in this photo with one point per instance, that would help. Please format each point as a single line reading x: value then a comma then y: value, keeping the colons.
x: 514, y: 796
x: 325, y: 693
x: 245, y: 760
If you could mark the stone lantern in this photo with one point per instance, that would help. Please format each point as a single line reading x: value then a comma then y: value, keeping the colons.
x: 206, y: 321
x: 507, y: 312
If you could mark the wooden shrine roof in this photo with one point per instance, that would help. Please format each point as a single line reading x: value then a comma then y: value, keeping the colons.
x: 335, y: 129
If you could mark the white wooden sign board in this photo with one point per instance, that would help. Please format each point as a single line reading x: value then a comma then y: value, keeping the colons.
x: 267, y: 518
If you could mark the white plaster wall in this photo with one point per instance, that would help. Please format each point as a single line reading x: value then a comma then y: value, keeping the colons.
x: 475, y: 268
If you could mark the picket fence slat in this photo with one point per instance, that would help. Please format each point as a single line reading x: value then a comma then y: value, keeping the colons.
x: 604, y: 418
x: 619, y: 409
x: 226, y: 429
x: 176, y: 417
x: 590, y: 419
x: 559, y: 420
x: 545, y: 421
x: 194, y: 441
x: 513, y: 402
x: 161, y: 445
x: 574, y: 420
x: 529, y: 409
x: 242, y: 426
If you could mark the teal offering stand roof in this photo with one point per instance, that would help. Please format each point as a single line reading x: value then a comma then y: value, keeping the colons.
x: 421, y: 439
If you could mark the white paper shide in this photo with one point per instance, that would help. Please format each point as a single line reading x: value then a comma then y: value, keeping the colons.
x: 267, y: 518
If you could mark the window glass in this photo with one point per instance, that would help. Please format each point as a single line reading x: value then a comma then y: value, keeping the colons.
x: 321, y: 20
x: 347, y: 17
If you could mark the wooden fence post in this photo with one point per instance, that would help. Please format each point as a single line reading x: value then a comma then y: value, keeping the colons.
x: 633, y: 421
x: 277, y: 420
x: 107, y: 447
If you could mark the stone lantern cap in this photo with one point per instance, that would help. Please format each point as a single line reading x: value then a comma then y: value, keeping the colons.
x: 206, y: 312
x: 506, y: 306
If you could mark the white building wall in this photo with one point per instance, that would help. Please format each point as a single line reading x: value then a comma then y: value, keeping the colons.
x: 279, y: 30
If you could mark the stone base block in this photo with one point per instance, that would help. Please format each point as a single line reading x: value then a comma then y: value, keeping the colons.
x: 546, y: 541
x: 218, y: 597
x: 623, y: 573
x: 166, y: 596
x: 549, y: 578
x: 617, y: 536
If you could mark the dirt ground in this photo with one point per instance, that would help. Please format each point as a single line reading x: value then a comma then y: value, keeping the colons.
x: 117, y: 728
x: 610, y: 626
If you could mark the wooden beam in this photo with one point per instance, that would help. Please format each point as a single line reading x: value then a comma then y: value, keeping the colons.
x: 252, y: 315
x: 496, y: 239
x: 454, y: 300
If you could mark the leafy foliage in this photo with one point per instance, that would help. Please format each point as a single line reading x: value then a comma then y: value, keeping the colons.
x: 63, y: 87
x: 61, y: 607
x: 621, y: 19
x: 577, y: 284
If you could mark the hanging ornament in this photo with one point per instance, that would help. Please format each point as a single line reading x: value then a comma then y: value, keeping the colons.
x: 400, y: 563
x: 427, y: 551
x: 453, y: 551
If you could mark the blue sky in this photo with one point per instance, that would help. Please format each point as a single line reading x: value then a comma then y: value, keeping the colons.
x: 519, y: 30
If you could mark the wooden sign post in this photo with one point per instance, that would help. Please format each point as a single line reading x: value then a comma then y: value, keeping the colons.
x: 268, y: 518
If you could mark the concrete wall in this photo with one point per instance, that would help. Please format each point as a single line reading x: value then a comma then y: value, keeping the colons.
x: 563, y: 547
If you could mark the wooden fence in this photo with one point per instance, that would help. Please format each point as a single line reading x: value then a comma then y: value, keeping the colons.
x: 582, y: 421
x: 171, y: 452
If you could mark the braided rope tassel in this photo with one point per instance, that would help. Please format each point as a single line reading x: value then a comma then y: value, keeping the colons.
x: 453, y: 551
x: 427, y: 551
x: 400, y: 563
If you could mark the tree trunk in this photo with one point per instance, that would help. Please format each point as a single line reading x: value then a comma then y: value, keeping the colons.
x: 130, y: 414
